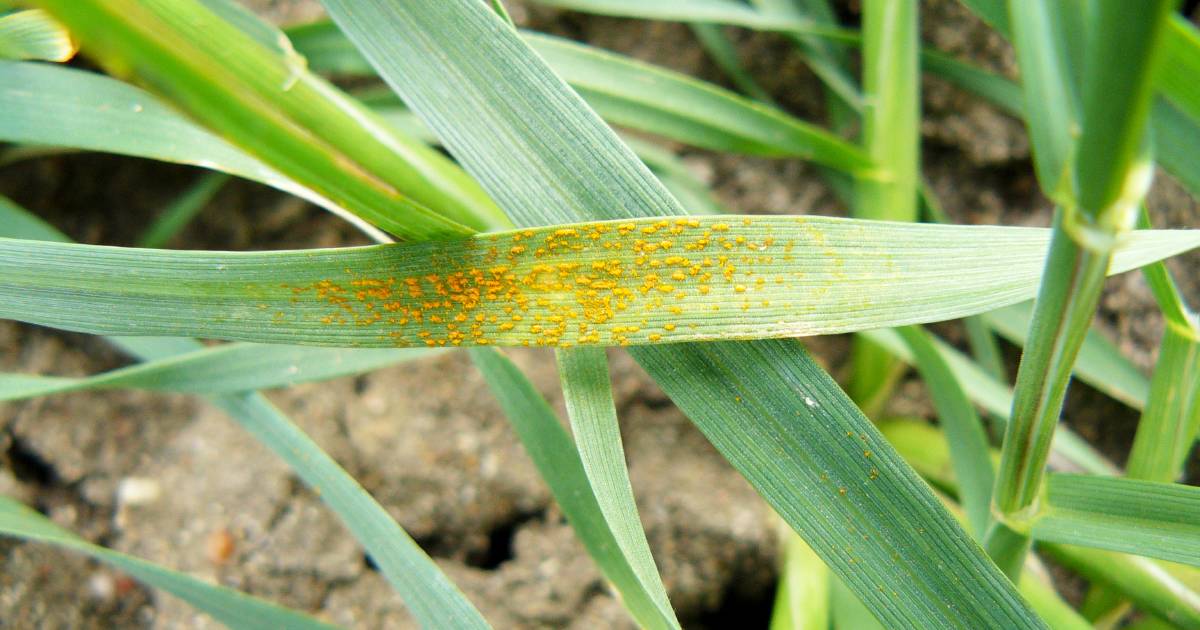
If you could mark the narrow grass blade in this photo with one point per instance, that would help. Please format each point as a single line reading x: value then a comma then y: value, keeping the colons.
x: 1169, y: 424
x: 1145, y: 518
x: 969, y: 452
x: 802, y: 597
x: 722, y: 51
x: 1166, y: 292
x: 996, y: 89
x: 1168, y: 427
x: 234, y: 609
x: 270, y: 106
x: 19, y: 223
x: 1099, y: 364
x: 588, y: 394
x: 608, y: 283
x: 985, y: 348
x: 692, y: 193
x: 1180, y: 66
x: 1149, y: 585
x: 64, y: 107
x: 557, y: 459
x: 716, y: 11
x: 430, y: 595
x: 34, y: 35
x: 1111, y: 171
x: 827, y: 58
x: 547, y: 159
x: 1052, y: 107
x: 177, y: 215
x: 645, y: 97
x: 221, y: 369
x: 994, y: 12
x: 653, y: 99
x: 1175, y: 139
x: 433, y: 600
x: 1071, y: 451
x: 891, y: 117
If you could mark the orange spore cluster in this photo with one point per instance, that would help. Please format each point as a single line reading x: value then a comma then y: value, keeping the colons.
x: 603, y: 283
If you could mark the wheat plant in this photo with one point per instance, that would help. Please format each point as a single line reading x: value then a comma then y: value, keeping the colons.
x: 543, y: 227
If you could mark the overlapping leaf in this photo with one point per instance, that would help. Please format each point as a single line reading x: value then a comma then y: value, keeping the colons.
x: 1147, y: 518
x: 234, y: 609
x: 33, y: 35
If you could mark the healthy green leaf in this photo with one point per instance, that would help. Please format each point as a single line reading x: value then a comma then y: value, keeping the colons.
x: 723, y: 52
x: 1171, y: 419
x: 588, y: 395
x: 717, y: 11
x: 269, y: 105
x: 802, y: 597
x: 1146, y: 518
x: 607, y: 283
x: 1180, y: 66
x: 1109, y: 173
x: 181, y: 211
x: 433, y: 600
x: 630, y: 93
x: 1167, y: 429
x: 234, y: 609
x: 34, y: 35
x: 1146, y: 582
x: 559, y: 462
x: 1051, y: 103
x: 63, y: 107
x: 1175, y: 138
x: 998, y: 90
x: 984, y: 347
x: 16, y: 222
x: 994, y: 12
x: 965, y: 432
x: 58, y: 106
x: 229, y: 368
x: 1175, y: 133
x: 1112, y: 170
x: 547, y: 159
x: 642, y: 96
x: 828, y: 60
x: 692, y: 193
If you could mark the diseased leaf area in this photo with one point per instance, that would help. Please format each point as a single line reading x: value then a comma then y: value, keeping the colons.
x: 607, y: 283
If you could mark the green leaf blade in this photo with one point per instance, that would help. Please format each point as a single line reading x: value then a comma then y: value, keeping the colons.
x: 588, y: 394
x: 590, y: 284
x: 1160, y: 520
x: 234, y: 609
x: 33, y: 35
x: 559, y: 462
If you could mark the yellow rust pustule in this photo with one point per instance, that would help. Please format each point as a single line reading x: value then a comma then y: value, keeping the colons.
x: 598, y: 283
